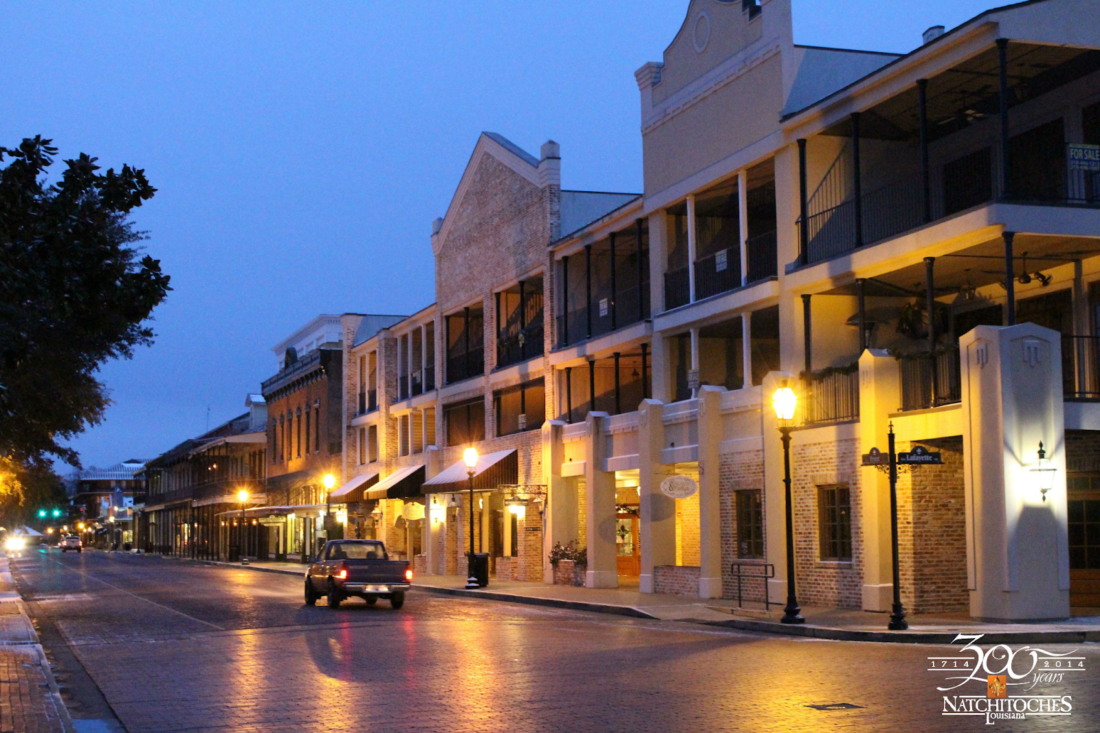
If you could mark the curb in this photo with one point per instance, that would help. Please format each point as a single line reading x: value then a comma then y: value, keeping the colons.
x: 536, y: 601
x: 488, y: 595
x: 904, y: 637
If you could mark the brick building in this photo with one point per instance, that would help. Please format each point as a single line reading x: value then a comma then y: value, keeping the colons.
x: 830, y: 220
x: 305, y: 434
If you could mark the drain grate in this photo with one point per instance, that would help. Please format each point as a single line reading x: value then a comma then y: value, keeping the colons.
x: 836, y: 706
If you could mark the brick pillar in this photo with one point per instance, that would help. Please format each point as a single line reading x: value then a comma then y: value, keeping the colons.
x: 658, y: 512
x: 710, y: 505
x: 879, y: 395
x: 1017, y: 547
x: 600, y: 500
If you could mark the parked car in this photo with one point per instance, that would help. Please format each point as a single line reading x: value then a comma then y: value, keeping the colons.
x: 361, y: 568
x: 71, y: 542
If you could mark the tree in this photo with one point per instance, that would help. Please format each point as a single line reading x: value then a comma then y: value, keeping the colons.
x: 73, y: 294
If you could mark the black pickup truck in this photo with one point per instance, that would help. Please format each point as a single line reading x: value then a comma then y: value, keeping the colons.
x: 357, y: 568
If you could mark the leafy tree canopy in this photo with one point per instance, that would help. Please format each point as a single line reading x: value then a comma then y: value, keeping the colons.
x: 73, y: 294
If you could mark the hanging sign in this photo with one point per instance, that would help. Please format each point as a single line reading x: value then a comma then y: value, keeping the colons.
x: 1083, y: 157
x: 876, y: 458
x: 721, y: 261
x: 920, y: 456
x: 412, y: 511
x: 679, y: 487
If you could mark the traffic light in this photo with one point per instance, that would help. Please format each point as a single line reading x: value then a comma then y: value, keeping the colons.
x: 41, y: 513
x: 57, y: 512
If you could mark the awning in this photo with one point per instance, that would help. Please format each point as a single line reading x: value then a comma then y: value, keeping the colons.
x: 301, y: 510
x: 492, y: 470
x: 352, y: 491
x: 401, y: 484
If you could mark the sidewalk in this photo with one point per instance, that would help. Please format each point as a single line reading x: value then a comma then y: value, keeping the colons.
x: 821, y: 623
x: 29, y: 699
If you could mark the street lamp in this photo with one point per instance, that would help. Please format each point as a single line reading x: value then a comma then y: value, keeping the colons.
x: 242, y: 496
x: 785, y: 401
x: 469, y: 457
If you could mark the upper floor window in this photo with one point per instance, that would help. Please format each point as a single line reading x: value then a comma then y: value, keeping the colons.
x: 614, y: 384
x: 519, y: 322
x: 465, y: 344
x: 465, y: 422
x: 520, y: 408
x: 362, y: 385
x: 372, y: 381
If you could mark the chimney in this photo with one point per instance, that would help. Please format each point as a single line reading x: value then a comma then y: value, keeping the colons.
x: 932, y: 34
x: 550, y: 165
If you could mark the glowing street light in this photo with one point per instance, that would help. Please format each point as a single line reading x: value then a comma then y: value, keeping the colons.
x: 469, y: 457
x: 242, y: 496
x: 785, y: 401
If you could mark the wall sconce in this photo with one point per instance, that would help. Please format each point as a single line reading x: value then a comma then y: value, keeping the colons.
x: 1044, y: 472
x: 439, y: 513
x: 452, y: 501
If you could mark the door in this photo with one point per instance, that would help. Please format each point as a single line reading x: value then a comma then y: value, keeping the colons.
x: 1083, y: 509
x: 628, y: 553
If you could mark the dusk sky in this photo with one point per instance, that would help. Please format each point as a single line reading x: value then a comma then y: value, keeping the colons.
x: 302, y: 150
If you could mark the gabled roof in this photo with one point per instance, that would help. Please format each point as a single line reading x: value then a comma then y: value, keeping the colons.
x: 512, y: 147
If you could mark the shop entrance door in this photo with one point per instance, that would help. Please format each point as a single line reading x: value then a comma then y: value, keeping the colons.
x: 1084, y: 547
x: 628, y: 549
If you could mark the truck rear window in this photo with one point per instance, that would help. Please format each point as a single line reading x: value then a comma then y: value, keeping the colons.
x: 356, y: 551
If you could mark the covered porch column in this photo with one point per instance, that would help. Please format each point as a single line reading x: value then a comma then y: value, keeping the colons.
x: 561, y: 501
x: 1017, y: 545
x: 657, y: 511
x: 600, y: 507
x: 879, y: 395
x: 710, y: 505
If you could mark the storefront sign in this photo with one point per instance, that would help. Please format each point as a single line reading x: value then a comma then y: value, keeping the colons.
x: 412, y: 511
x: 1084, y: 157
x: 679, y: 487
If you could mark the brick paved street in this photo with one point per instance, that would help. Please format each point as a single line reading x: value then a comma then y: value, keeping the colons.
x: 178, y: 646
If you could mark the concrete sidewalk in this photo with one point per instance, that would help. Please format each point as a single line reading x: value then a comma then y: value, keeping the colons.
x: 29, y: 698
x: 821, y: 623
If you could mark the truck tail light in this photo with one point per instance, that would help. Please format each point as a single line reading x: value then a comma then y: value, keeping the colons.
x: 409, y: 574
x: 342, y: 573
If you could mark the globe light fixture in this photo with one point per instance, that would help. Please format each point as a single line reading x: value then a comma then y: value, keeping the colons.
x: 469, y: 457
x: 329, y: 481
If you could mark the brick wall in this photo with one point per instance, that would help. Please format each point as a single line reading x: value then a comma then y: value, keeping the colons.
x: 530, y: 545
x: 1082, y: 451
x: 737, y: 471
x: 506, y: 568
x: 567, y: 573
x: 687, y: 530
x: 932, y: 531
x: 678, y: 580
x: 825, y: 583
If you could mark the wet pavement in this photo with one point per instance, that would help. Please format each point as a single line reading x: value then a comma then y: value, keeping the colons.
x: 175, y: 646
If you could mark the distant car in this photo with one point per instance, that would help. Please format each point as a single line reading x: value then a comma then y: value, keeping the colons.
x: 357, y: 568
x: 72, y: 542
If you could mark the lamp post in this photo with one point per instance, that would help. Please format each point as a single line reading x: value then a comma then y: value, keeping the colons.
x: 897, y: 618
x: 785, y: 401
x: 242, y: 496
x: 469, y: 457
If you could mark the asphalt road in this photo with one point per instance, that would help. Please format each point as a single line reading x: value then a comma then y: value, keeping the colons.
x: 169, y: 645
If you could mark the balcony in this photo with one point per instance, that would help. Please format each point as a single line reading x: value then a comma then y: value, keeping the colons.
x: 520, y: 345
x: 718, y: 273
x: 831, y: 395
x: 677, y: 288
x: 465, y: 365
x: 930, y: 380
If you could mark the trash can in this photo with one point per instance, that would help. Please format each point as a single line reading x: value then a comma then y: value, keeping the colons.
x: 234, y: 553
x: 481, y: 568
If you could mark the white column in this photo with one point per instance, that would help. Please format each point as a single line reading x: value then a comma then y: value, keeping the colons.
x: 710, y: 505
x: 743, y: 220
x: 658, y: 260
x: 561, y: 500
x: 879, y: 395
x: 691, y: 247
x: 424, y: 363
x: 746, y: 348
x: 657, y: 511
x: 600, y: 505
x: 1017, y: 545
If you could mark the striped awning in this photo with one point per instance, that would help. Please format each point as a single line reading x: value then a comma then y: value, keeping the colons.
x: 401, y: 484
x: 492, y: 470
